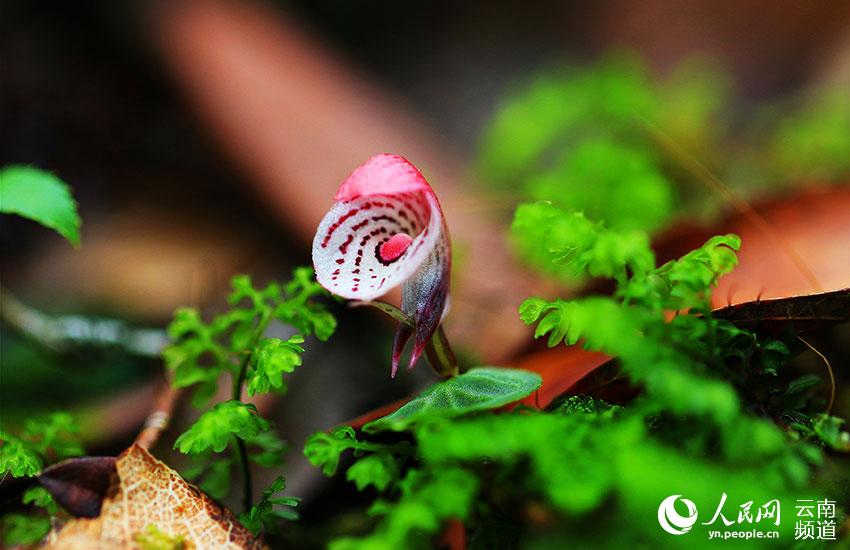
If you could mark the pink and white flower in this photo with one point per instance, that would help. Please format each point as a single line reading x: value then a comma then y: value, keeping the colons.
x: 386, y: 228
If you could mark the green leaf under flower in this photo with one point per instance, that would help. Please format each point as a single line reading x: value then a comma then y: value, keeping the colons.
x: 479, y: 389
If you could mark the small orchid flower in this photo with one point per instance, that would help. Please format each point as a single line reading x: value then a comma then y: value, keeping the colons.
x: 386, y: 228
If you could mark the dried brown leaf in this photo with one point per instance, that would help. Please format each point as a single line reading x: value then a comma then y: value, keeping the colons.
x: 79, y: 485
x: 801, y: 313
x: 144, y: 492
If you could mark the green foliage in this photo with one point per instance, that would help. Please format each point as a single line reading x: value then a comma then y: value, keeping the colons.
x: 270, y: 509
x: 378, y: 470
x: 829, y: 430
x: 201, y: 351
x: 812, y: 143
x: 41, y: 197
x: 559, y: 465
x: 578, y: 137
x: 668, y: 357
x: 569, y: 245
x: 479, y: 389
x: 18, y: 458
x: 427, y: 500
x: 52, y: 437
x: 583, y: 404
x: 590, y: 140
x: 217, y: 427
x: 38, y: 496
x: 43, y: 440
x: 30, y: 528
x: 599, y: 471
x: 558, y: 108
x: 604, y: 474
x: 685, y: 283
x: 301, y: 311
x: 44, y: 198
x: 823, y: 428
x: 154, y: 539
x: 324, y: 450
x: 234, y: 342
x: 24, y: 528
x: 694, y: 370
x: 273, y: 358
x: 213, y: 474
x: 628, y: 185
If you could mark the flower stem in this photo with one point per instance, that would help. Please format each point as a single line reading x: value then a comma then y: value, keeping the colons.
x: 238, y: 383
x: 247, y: 485
x: 440, y: 355
x: 241, y: 448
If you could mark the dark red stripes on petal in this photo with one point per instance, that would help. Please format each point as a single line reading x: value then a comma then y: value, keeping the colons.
x: 334, y: 226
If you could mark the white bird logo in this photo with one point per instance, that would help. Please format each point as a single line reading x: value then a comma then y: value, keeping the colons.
x: 671, y: 521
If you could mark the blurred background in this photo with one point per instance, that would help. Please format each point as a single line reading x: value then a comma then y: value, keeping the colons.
x: 206, y: 138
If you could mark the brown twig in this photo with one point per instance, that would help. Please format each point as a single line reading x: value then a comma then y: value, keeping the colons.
x: 828, y: 370
x: 159, y: 418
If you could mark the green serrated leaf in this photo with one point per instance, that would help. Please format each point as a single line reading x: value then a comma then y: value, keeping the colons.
x: 55, y: 435
x: 273, y: 358
x: 216, y: 427
x: 186, y: 320
x: 41, y: 197
x: 378, y: 470
x: 264, y: 515
x: 479, y: 389
x: 531, y: 309
x: 38, y: 496
x: 18, y: 458
x: 323, y: 449
x: 569, y: 245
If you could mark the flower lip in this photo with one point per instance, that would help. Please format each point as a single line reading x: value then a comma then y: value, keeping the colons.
x: 394, y: 248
